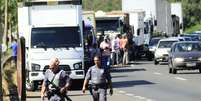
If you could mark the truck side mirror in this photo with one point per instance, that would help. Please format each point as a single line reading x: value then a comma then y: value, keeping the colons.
x: 155, y: 22
x: 83, y: 26
x: 138, y: 32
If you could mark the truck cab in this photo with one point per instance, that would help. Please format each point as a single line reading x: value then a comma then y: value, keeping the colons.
x: 52, y: 29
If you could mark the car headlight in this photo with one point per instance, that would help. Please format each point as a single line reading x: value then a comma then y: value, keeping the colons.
x: 178, y: 59
x: 77, y: 66
x: 35, y: 67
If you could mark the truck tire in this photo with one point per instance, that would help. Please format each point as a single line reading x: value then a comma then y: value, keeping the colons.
x: 200, y: 70
x: 149, y: 56
x: 156, y: 62
x: 174, y: 71
x: 170, y: 70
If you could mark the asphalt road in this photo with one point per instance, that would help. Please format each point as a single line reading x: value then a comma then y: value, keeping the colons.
x: 148, y: 81
x: 144, y: 81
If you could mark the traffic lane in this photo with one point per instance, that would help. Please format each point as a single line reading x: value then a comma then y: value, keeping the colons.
x: 163, y: 69
x: 156, y: 86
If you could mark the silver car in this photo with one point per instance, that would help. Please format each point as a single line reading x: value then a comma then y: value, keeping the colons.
x: 185, y: 55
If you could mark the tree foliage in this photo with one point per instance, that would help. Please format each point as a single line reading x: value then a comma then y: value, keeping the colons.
x: 105, y: 5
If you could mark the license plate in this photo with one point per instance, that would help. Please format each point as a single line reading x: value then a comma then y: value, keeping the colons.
x: 190, y: 64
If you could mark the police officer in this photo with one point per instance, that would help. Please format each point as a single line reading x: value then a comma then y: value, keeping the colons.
x: 56, y: 82
x: 100, y: 79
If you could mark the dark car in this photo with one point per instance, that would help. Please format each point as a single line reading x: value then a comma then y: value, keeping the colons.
x: 185, y: 55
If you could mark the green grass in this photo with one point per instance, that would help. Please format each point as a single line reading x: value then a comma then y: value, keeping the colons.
x: 193, y: 28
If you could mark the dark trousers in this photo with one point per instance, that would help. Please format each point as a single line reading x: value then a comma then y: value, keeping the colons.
x: 99, y: 95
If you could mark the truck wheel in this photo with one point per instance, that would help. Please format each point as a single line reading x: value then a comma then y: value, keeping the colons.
x: 170, y: 70
x: 174, y: 71
x: 156, y: 62
x: 149, y: 56
x: 199, y: 70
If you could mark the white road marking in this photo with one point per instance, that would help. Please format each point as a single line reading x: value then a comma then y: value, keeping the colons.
x: 179, y: 78
x: 130, y: 94
x: 133, y: 95
x: 122, y: 92
x: 140, y: 97
x: 149, y: 100
x: 156, y: 73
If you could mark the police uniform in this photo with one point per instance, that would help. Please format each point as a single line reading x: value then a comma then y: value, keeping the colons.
x: 99, y: 78
x: 59, y: 79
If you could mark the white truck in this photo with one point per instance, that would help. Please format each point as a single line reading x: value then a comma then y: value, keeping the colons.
x: 176, y: 9
x: 52, y: 29
x: 110, y: 23
x: 136, y: 21
x: 158, y: 10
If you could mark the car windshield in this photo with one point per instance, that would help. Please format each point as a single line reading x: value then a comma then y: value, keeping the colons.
x: 55, y: 37
x: 165, y: 44
x: 154, y: 42
x: 187, y: 47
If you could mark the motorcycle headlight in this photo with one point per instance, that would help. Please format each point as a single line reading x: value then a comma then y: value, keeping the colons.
x: 77, y: 66
x: 178, y: 59
x: 35, y: 67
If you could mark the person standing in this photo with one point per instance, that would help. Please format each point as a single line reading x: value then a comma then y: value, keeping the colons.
x: 116, y: 50
x: 125, y: 49
x: 100, y: 80
x: 56, y: 82
x: 105, y: 47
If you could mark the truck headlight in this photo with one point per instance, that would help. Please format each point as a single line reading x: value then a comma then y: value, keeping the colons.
x: 35, y: 67
x: 199, y: 59
x: 77, y: 66
x: 178, y: 59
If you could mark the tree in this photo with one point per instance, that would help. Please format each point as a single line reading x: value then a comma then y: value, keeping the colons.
x: 8, y: 19
x: 105, y: 5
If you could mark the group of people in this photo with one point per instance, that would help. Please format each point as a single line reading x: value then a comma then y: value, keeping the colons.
x: 115, y: 50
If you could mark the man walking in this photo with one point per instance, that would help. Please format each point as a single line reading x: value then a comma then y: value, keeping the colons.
x: 56, y: 82
x: 100, y: 80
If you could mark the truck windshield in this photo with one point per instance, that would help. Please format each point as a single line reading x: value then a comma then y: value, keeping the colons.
x: 55, y: 37
x: 107, y: 25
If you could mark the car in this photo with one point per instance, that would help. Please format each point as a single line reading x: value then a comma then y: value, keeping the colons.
x: 163, y: 48
x: 194, y: 37
x: 185, y: 55
x: 186, y: 38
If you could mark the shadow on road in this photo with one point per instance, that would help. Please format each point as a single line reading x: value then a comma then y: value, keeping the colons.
x: 123, y: 84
